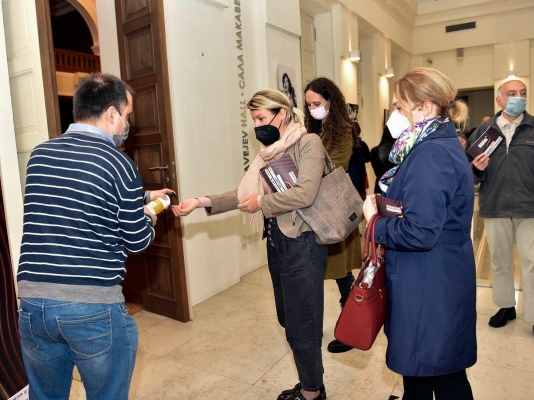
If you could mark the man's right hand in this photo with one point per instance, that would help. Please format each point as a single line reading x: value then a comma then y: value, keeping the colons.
x: 481, y: 162
x: 154, y: 218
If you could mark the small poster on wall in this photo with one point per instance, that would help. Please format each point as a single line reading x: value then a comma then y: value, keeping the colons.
x: 286, y: 79
x: 353, y: 109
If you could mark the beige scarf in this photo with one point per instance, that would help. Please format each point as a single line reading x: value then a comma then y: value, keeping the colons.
x: 252, y: 182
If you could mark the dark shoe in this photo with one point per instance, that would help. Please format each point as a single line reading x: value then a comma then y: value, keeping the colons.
x: 295, y: 394
x: 502, y: 317
x: 336, y: 346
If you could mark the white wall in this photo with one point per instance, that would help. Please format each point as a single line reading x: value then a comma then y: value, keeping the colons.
x: 496, y: 22
x: 199, y: 90
x: 324, y: 48
x: 476, y: 70
x: 9, y: 167
x: 107, y: 28
x: 212, y: 76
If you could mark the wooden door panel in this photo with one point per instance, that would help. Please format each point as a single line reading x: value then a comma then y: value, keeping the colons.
x: 160, y: 276
x: 141, y: 30
x: 134, y: 9
x: 140, y: 53
x: 146, y: 99
x: 146, y: 157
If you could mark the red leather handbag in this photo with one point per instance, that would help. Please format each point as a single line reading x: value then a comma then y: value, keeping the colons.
x: 366, y: 309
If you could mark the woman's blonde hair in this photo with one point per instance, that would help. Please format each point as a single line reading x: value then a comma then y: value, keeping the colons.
x: 274, y: 100
x: 429, y: 84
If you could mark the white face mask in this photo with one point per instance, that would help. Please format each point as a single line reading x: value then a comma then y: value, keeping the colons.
x: 397, y: 123
x: 319, y: 113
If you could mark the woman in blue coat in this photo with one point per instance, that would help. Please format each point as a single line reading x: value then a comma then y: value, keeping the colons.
x: 430, y: 265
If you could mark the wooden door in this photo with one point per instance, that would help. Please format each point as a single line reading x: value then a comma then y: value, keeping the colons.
x: 156, y: 278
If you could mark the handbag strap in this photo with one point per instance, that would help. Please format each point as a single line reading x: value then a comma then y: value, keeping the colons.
x: 370, y: 239
x: 329, y: 165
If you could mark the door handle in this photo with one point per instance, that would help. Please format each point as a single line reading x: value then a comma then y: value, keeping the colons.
x: 162, y: 168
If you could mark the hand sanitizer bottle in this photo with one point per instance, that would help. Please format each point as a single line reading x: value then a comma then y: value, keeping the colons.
x: 160, y: 204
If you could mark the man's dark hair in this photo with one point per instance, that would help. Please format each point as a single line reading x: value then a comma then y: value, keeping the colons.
x: 97, y: 92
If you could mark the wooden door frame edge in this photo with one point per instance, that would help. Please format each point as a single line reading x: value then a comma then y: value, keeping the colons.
x: 48, y: 68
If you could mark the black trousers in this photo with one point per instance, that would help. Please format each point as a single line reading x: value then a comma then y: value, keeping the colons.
x: 297, y: 267
x: 453, y: 386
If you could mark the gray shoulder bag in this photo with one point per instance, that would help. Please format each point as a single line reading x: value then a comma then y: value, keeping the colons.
x: 337, y: 209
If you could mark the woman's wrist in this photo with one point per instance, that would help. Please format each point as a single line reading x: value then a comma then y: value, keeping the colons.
x: 203, y: 202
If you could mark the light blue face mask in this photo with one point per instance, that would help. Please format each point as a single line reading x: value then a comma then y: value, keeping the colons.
x: 119, y: 139
x: 515, y: 106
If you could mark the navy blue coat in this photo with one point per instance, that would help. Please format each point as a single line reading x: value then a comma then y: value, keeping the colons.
x: 430, y: 265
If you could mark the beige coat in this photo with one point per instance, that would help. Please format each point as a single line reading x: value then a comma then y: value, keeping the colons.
x: 302, y: 195
x: 347, y: 255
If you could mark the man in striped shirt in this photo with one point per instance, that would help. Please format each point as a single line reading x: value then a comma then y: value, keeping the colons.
x: 83, y: 215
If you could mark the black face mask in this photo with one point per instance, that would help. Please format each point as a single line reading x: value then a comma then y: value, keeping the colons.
x: 268, y: 134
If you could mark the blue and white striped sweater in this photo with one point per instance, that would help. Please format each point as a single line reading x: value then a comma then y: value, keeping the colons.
x: 83, y: 213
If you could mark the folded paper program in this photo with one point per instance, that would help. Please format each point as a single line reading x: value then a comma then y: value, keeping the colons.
x: 486, y: 143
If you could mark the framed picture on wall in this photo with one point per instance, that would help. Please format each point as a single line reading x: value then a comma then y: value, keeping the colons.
x: 286, y: 79
x: 386, y: 116
x: 353, y: 110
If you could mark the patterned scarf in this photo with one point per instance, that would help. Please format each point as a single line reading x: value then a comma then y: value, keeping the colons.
x: 405, y: 144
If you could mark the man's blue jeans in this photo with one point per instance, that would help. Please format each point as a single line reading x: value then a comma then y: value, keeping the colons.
x: 100, y: 339
x: 298, y: 267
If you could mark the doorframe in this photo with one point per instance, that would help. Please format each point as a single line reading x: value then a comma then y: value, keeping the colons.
x: 48, y: 67
x: 46, y: 49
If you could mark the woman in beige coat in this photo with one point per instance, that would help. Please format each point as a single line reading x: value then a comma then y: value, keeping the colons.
x: 296, y: 262
x: 326, y: 114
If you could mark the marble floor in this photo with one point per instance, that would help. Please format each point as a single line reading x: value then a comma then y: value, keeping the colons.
x: 235, y: 349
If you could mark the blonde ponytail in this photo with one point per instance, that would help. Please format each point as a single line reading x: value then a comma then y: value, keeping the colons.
x: 459, y: 114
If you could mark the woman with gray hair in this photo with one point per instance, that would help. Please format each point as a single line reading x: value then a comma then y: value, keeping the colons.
x: 296, y: 262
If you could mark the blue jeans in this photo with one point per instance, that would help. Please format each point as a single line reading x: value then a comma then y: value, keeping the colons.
x: 100, y: 339
x: 298, y: 268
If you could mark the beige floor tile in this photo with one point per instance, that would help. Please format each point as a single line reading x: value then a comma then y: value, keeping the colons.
x: 231, y: 301
x: 511, y: 346
x: 350, y: 375
x: 144, y: 358
x: 77, y: 391
x: 146, y: 320
x: 242, y: 347
x: 235, y: 349
x: 257, y: 393
x: 260, y: 276
x: 166, y: 379
x: 495, y: 383
x: 167, y: 336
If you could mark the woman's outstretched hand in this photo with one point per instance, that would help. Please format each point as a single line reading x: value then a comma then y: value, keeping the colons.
x: 185, y: 207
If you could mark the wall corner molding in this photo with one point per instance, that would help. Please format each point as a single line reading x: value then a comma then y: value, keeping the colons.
x: 215, y: 3
x: 285, y: 31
